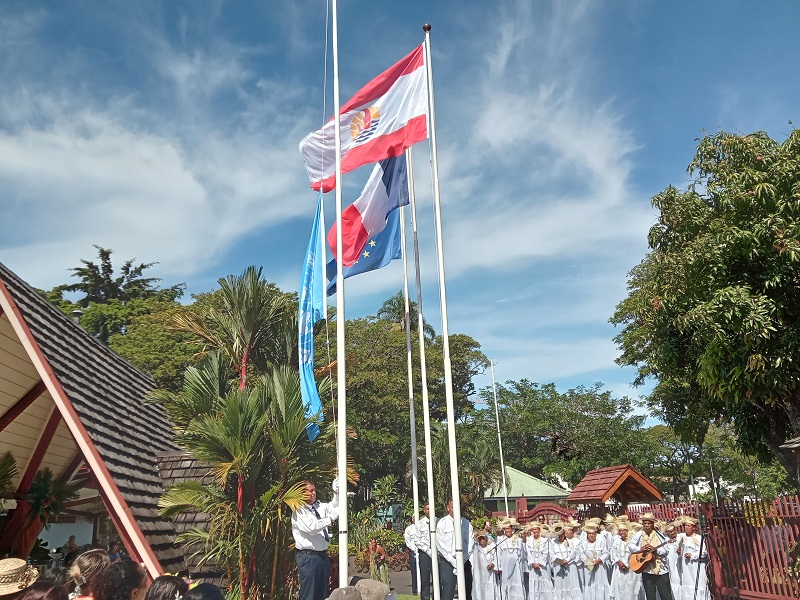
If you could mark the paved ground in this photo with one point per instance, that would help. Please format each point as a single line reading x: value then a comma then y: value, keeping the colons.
x: 401, y: 580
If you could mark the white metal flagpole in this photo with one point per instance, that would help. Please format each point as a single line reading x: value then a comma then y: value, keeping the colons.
x: 411, y: 416
x: 423, y: 369
x: 448, y: 374
x: 499, y: 438
x: 341, y: 425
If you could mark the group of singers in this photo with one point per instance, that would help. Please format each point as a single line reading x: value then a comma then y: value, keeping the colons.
x: 583, y: 561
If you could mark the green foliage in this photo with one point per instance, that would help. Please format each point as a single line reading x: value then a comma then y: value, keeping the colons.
x: 547, y: 433
x: 392, y: 542
x: 48, y: 496
x: 384, y: 491
x: 39, y: 555
x: 8, y: 472
x: 713, y: 309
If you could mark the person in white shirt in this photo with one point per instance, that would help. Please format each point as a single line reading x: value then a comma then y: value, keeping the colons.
x: 673, y: 560
x: 310, y: 525
x: 566, y: 582
x: 655, y: 574
x: 445, y: 545
x: 593, y: 557
x: 540, y: 586
x: 693, y: 562
x: 484, y: 579
x: 507, y: 552
x: 423, y: 540
x: 410, y: 539
x: 625, y: 583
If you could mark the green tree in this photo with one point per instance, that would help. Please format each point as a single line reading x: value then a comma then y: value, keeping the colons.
x: 713, y: 310
x: 252, y: 324
x: 111, y: 302
x: 564, y: 435
x: 255, y: 442
x: 393, y: 310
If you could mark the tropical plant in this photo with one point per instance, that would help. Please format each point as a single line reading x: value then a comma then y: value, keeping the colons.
x: 253, y: 324
x: 8, y: 472
x: 255, y: 443
x: 384, y: 491
x: 48, y: 496
x: 394, y: 311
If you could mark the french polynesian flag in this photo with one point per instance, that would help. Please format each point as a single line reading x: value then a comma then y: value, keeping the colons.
x: 384, y: 118
x: 386, y: 190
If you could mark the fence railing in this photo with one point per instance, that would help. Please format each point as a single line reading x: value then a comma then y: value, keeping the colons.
x: 752, y: 546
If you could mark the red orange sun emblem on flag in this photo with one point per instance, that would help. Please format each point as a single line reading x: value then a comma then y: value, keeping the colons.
x: 364, y: 123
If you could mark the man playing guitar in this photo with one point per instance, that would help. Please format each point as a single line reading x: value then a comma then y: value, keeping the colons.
x: 655, y: 574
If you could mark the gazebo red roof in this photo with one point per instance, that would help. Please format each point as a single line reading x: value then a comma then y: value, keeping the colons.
x: 622, y: 482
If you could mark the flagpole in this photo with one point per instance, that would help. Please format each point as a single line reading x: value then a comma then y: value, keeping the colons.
x: 448, y: 374
x: 426, y: 412
x: 341, y: 424
x: 411, y: 416
x: 499, y: 438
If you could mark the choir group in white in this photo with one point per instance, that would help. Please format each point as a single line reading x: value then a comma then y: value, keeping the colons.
x: 589, y: 561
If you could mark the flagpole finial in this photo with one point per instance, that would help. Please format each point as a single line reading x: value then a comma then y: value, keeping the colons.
x: 426, y: 28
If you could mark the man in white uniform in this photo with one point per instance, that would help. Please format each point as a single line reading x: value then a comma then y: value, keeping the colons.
x: 410, y: 538
x: 445, y: 544
x: 311, y: 539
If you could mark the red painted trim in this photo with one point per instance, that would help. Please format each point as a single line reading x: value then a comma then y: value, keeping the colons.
x: 20, y: 405
x: 135, y: 542
x: 38, y: 453
x: 70, y: 469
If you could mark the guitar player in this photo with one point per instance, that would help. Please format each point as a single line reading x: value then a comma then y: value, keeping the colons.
x: 655, y: 574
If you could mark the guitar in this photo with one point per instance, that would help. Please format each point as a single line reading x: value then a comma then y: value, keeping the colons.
x: 639, y: 559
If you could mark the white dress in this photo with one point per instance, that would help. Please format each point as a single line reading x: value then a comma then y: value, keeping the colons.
x: 625, y: 583
x: 691, y: 566
x: 484, y: 582
x: 675, y: 565
x: 566, y: 583
x: 595, y: 579
x: 508, y: 552
x: 540, y: 583
x: 575, y: 543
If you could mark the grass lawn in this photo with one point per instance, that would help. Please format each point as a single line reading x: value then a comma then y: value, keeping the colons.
x: 407, y: 597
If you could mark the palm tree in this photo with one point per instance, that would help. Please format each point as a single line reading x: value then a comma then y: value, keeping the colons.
x: 8, y: 472
x: 394, y: 311
x: 255, y: 443
x: 254, y: 324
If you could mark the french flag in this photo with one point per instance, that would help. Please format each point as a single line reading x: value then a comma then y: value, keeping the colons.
x: 384, y: 118
x: 386, y: 190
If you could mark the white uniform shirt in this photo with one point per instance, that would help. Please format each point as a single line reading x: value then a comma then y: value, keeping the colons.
x: 424, y: 535
x: 410, y: 537
x: 446, y: 539
x: 310, y: 531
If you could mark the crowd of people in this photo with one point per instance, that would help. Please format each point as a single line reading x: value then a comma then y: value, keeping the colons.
x: 599, y: 559
x: 93, y: 576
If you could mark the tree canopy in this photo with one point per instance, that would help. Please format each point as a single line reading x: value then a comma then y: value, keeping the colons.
x: 713, y: 310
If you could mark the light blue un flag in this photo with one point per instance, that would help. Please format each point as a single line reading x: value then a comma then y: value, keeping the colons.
x: 311, y: 310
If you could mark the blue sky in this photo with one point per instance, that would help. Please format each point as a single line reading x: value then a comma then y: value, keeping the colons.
x: 168, y: 132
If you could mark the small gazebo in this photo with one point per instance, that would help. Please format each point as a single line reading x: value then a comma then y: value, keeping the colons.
x: 622, y: 483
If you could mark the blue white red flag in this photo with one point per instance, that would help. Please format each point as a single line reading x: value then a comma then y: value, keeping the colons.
x: 311, y: 309
x: 386, y: 190
x: 385, y: 117
x: 377, y: 253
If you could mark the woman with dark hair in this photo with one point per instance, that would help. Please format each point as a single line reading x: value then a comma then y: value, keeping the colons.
x: 204, y: 591
x: 167, y: 587
x: 43, y: 590
x: 124, y: 580
x: 83, y: 572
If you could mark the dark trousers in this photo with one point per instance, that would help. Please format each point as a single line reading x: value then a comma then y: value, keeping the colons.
x: 314, y: 571
x: 412, y: 565
x: 468, y: 580
x: 425, y: 574
x: 447, y: 579
x: 652, y: 583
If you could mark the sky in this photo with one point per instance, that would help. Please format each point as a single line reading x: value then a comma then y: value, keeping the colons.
x: 169, y: 131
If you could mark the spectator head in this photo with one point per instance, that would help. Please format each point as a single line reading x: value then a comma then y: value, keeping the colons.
x: 43, y: 590
x: 85, y: 568
x: 124, y: 580
x: 167, y: 587
x: 204, y: 591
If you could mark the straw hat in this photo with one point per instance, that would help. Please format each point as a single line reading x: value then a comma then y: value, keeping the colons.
x: 557, y: 528
x: 610, y: 518
x: 635, y: 526
x: 595, y: 520
x: 16, y: 575
x: 590, y: 528
x: 481, y: 534
x: 572, y: 524
x: 622, y: 525
x: 648, y: 516
x: 669, y: 527
x: 623, y: 517
x: 544, y: 527
x: 690, y: 520
x: 503, y: 523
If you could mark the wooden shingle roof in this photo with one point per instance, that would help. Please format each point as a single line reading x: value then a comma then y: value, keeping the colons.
x: 96, y: 397
x: 622, y: 482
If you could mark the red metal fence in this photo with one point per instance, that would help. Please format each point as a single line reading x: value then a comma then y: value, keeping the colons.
x: 752, y: 546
